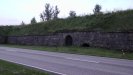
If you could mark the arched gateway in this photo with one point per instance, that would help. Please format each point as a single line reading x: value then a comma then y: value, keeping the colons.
x: 68, y: 40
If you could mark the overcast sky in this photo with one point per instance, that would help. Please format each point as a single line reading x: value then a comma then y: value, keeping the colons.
x: 16, y: 11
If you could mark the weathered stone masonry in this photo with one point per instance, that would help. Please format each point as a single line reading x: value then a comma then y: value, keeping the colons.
x: 2, y: 39
x: 111, y: 40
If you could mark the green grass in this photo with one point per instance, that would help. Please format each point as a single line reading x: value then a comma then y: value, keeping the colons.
x: 80, y: 50
x: 8, y: 68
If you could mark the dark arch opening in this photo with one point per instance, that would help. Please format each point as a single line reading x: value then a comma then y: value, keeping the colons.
x: 6, y: 40
x: 85, y: 45
x: 68, y: 40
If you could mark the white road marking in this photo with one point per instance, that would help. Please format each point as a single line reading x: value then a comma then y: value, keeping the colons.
x: 83, y: 60
x: 11, y: 50
x: 69, y: 58
x: 36, y: 67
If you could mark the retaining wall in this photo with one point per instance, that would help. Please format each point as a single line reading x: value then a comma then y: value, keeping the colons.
x: 3, y: 39
x: 111, y: 40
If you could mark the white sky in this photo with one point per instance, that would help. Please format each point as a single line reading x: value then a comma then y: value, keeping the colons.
x: 16, y: 11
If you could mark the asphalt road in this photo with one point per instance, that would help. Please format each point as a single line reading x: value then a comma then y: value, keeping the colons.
x: 67, y: 64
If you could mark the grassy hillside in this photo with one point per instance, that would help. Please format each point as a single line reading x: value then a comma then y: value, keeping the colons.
x: 112, y: 21
x: 4, y: 30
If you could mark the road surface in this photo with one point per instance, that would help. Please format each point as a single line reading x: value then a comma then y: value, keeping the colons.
x: 67, y: 64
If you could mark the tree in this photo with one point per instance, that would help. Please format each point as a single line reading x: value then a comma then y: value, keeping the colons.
x: 47, y: 14
x: 97, y: 9
x: 33, y: 20
x: 22, y: 23
x: 41, y: 16
x: 72, y: 14
x: 56, y: 12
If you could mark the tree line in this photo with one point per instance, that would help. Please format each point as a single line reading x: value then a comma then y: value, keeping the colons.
x: 51, y: 13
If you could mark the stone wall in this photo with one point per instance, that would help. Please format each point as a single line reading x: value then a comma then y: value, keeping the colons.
x: 48, y: 40
x: 3, y: 39
x: 111, y: 40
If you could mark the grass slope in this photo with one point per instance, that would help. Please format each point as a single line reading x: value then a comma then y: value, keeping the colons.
x: 7, y: 68
x: 112, y: 21
x: 80, y: 50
